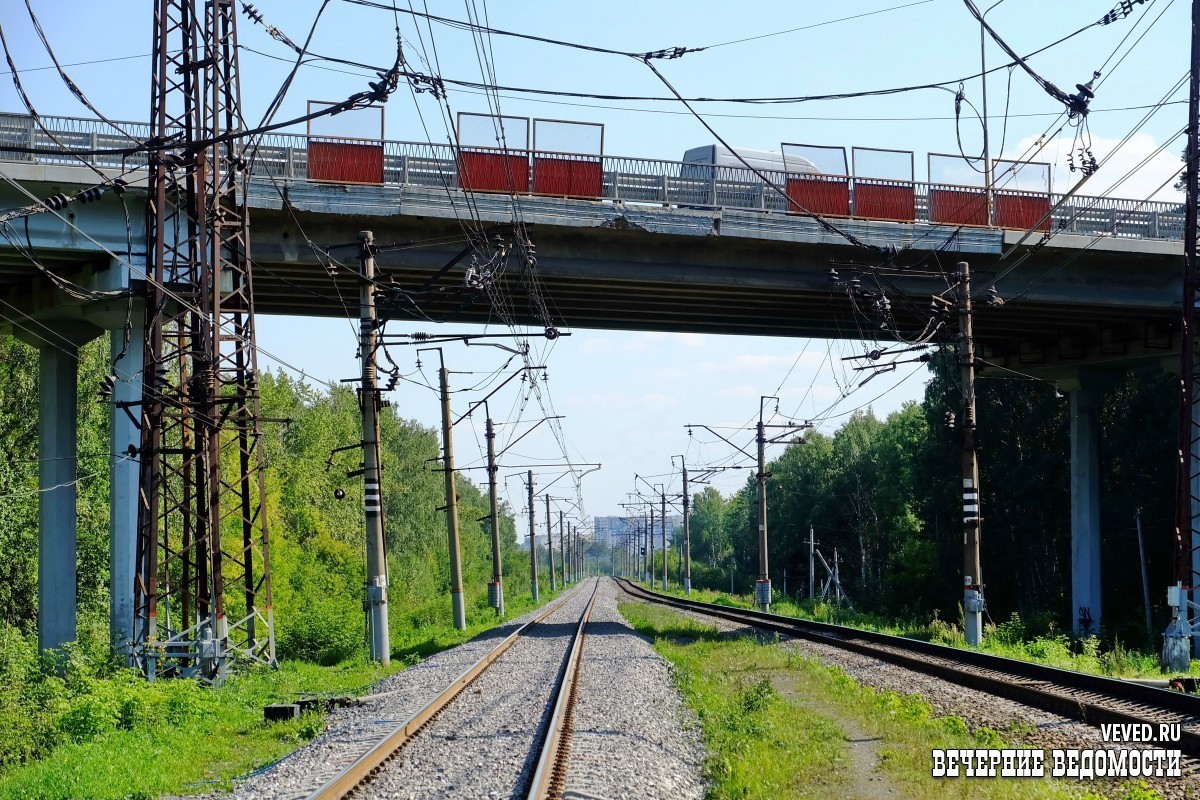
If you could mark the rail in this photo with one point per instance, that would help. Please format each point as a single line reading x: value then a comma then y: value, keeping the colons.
x: 1093, y: 699
x: 550, y: 775
x: 290, y: 157
x: 369, y: 764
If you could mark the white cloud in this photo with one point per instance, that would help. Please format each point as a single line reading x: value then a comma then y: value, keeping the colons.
x: 1144, y: 179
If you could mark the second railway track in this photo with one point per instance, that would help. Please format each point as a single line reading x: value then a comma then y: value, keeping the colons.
x: 1092, y: 699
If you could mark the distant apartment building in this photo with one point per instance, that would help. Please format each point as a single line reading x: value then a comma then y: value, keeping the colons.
x: 610, y: 530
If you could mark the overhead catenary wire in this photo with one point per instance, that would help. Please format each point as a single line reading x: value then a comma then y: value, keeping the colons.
x: 365, y: 70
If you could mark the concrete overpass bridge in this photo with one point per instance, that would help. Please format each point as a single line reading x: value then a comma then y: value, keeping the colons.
x: 652, y: 246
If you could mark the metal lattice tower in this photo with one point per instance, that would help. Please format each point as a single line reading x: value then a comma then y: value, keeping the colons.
x: 202, y: 588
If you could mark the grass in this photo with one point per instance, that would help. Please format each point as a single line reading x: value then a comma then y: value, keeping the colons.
x: 775, y: 724
x: 216, y: 735
x: 106, y: 734
x: 1010, y: 639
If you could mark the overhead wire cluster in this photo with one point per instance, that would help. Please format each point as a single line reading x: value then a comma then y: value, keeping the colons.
x: 489, y: 273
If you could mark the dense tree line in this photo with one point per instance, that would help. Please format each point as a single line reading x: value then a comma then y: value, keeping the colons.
x: 318, y: 559
x: 886, y: 494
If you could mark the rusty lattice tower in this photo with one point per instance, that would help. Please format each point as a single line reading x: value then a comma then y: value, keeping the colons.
x: 202, y: 589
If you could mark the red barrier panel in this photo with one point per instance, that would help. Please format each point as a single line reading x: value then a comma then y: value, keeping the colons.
x: 493, y: 172
x: 891, y: 200
x: 345, y: 162
x: 820, y: 195
x: 958, y: 206
x: 568, y: 177
x: 1022, y: 210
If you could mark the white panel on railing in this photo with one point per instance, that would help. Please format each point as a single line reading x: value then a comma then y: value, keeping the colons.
x: 493, y: 131
x: 1021, y: 176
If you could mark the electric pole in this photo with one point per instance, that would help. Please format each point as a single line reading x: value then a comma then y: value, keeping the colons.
x: 550, y: 543
x: 762, y: 587
x: 1178, y: 643
x: 456, y: 586
x: 812, y: 566
x: 687, y: 533
x: 368, y: 398
x: 562, y: 554
x: 533, y: 575
x: 973, y: 602
x: 650, y: 548
x: 663, y: 523
x: 496, y: 587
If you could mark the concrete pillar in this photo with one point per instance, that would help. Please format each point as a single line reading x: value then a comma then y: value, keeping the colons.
x: 123, y: 482
x: 56, y: 482
x: 1085, y: 510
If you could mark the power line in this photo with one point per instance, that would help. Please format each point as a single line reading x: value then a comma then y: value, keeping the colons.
x: 815, y: 25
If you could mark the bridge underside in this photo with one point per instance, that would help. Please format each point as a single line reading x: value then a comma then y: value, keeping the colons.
x: 1076, y: 300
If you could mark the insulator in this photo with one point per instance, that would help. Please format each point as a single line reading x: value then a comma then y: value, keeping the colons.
x: 925, y: 358
x: 88, y: 195
x: 57, y: 202
x: 107, y: 386
x: 421, y: 337
x: 951, y: 420
x: 119, y: 186
x: 833, y: 275
x: 160, y: 376
x: 551, y: 332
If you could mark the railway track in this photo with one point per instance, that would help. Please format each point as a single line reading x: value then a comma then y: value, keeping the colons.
x: 1092, y: 699
x: 551, y: 746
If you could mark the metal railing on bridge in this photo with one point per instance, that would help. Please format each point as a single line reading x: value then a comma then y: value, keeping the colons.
x: 526, y: 170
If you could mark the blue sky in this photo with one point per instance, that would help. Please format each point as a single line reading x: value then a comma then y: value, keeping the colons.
x: 626, y: 396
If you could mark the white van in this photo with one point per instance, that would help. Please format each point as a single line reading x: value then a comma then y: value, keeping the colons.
x: 698, y: 159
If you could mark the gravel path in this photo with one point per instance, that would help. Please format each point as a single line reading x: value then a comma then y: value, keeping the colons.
x: 1021, y: 725
x: 633, y: 735
x: 350, y: 732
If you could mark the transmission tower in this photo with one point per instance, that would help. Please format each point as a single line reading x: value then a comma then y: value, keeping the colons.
x: 202, y: 588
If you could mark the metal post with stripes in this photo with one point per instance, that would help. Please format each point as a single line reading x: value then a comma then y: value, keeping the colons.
x: 368, y: 397
x: 1179, y: 643
x: 457, y: 601
x: 973, y: 603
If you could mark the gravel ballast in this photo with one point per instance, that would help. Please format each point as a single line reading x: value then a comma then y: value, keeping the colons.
x: 632, y: 737
x: 352, y: 731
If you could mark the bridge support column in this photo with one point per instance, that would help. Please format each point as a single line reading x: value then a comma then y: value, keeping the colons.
x: 124, y: 467
x: 1086, y: 602
x: 57, y: 474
